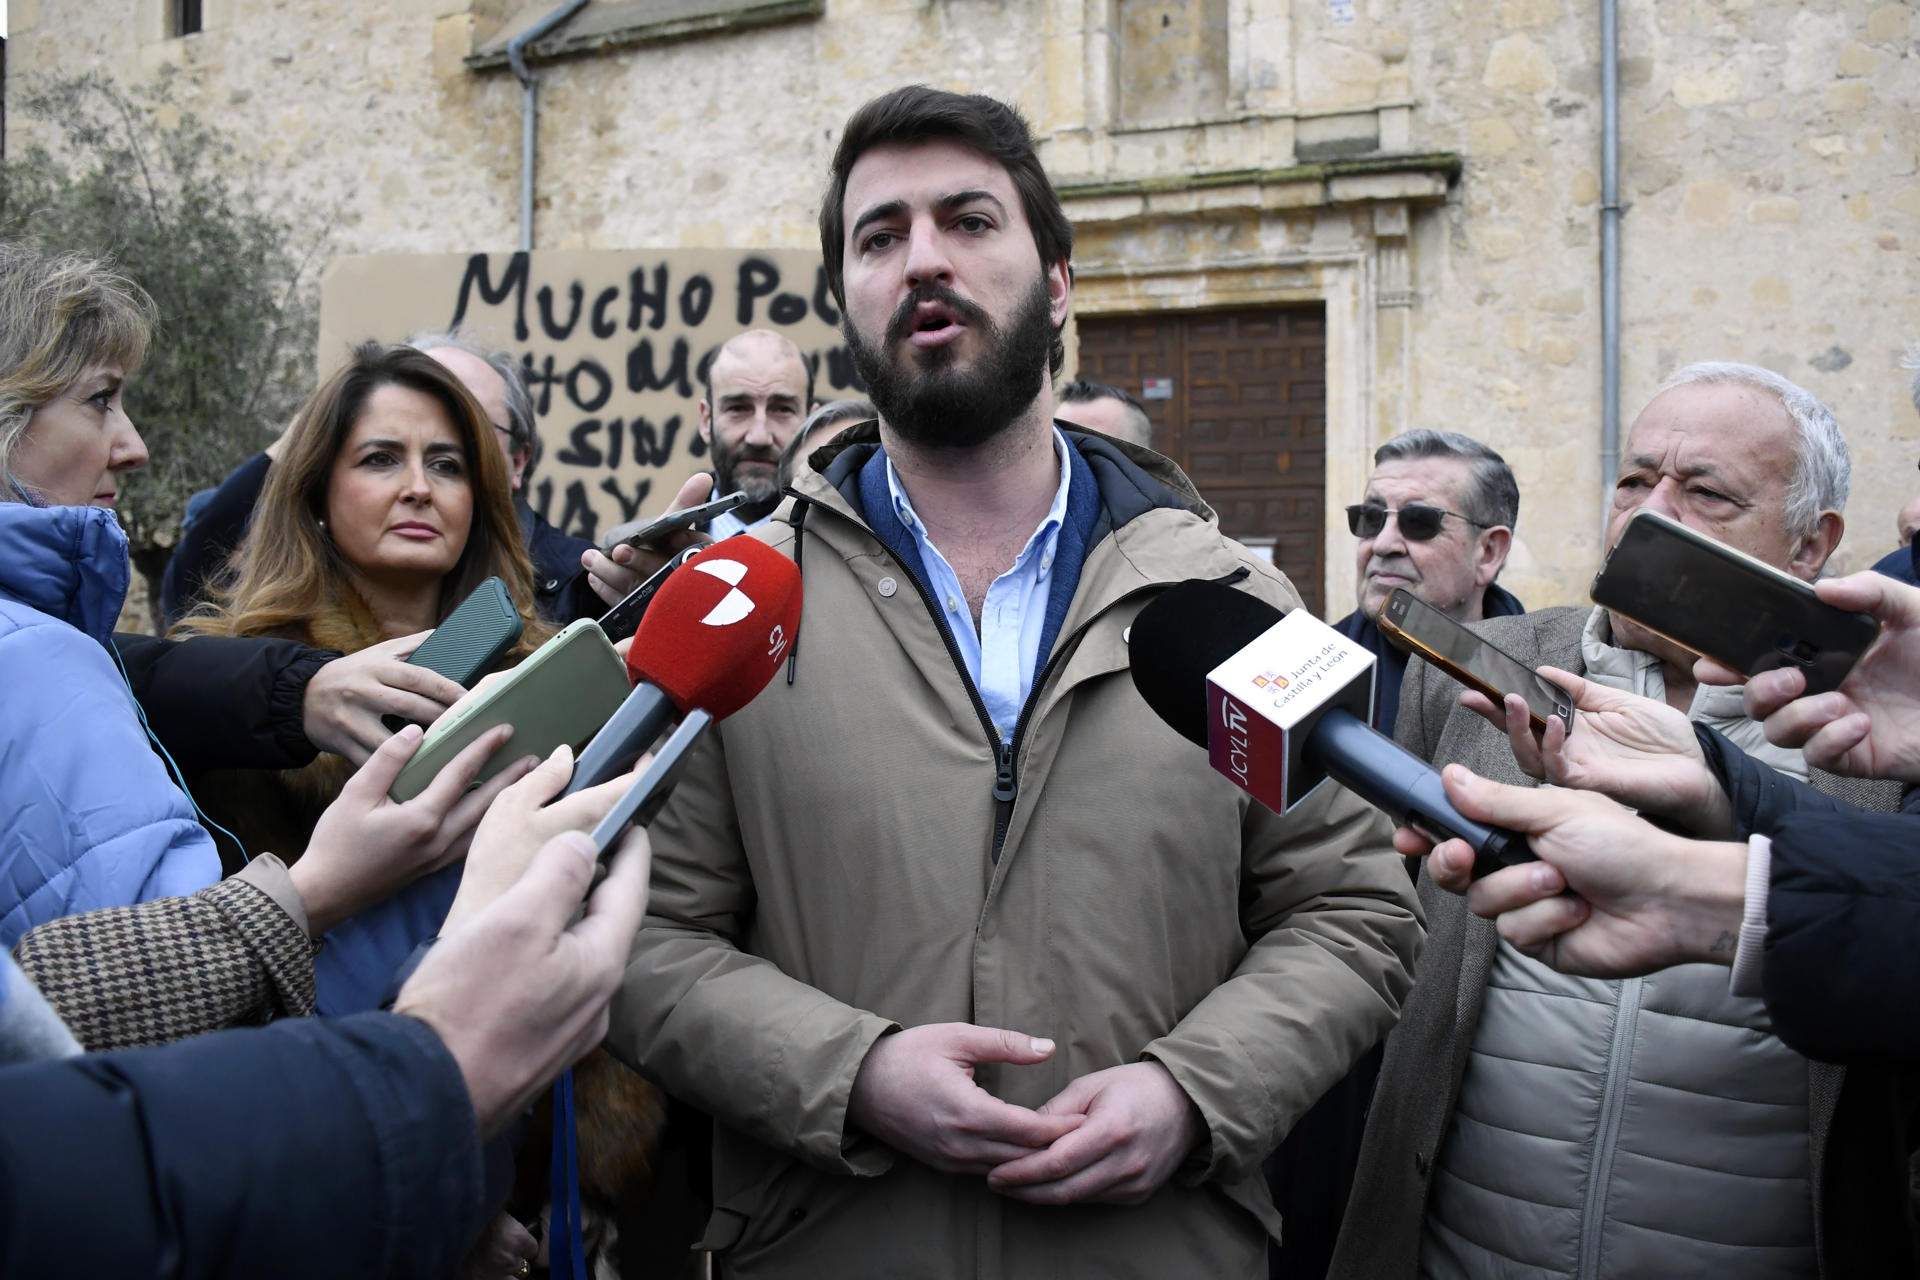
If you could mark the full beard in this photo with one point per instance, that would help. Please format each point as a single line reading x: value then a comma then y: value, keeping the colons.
x: 940, y: 405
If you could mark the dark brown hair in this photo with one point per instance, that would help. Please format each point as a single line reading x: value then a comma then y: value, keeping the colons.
x: 289, y: 571
x: 917, y: 113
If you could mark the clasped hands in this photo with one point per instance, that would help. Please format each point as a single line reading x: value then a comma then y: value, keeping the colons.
x: 1112, y: 1136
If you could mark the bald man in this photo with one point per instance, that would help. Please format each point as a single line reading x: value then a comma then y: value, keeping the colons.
x: 758, y: 391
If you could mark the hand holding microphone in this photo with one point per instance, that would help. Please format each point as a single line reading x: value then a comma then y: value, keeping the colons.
x: 1613, y: 896
x: 1281, y: 704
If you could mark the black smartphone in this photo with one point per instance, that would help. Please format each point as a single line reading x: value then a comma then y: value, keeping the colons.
x: 650, y: 790
x: 471, y: 642
x: 1743, y: 613
x: 674, y: 521
x: 623, y: 619
x: 1418, y: 627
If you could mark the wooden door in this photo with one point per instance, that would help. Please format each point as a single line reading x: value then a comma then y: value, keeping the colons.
x: 1239, y: 400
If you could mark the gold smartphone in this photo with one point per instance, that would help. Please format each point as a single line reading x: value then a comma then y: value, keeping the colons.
x: 1419, y: 628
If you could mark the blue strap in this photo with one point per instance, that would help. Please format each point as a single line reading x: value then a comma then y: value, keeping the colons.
x: 566, y: 1248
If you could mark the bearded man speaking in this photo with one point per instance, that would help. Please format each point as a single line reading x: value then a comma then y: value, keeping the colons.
x: 981, y: 968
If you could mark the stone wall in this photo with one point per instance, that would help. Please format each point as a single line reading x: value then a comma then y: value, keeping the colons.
x: 1769, y: 176
x: 1768, y: 171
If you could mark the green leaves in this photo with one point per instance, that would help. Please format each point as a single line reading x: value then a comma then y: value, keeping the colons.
x: 130, y: 175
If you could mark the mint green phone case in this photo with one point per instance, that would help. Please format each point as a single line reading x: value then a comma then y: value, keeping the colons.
x: 563, y: 692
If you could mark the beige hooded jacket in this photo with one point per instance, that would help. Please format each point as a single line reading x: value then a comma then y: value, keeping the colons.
x: 825, y: 873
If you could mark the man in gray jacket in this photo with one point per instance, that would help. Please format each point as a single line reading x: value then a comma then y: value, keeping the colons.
x: 1529, y: 1123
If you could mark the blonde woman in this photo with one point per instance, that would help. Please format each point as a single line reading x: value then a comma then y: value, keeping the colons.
x: 88, y: 815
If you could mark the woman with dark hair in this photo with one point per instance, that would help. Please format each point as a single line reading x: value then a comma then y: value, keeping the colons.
x: 388, y: 507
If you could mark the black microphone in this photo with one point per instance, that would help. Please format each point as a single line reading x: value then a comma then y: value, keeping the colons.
x: 1281, y: 704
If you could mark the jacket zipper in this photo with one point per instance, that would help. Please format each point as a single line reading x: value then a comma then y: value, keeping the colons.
x: 1006, y: 784
x: 1612, y: 1106
x: 1006, y: 755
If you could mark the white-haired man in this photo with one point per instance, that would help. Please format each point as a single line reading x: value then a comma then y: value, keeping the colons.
x: 1531, y: 1123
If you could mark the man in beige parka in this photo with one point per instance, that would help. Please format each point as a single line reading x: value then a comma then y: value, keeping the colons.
x: 979, y: 967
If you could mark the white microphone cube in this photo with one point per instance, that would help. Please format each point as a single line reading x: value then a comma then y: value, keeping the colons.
x: 1263, y: 702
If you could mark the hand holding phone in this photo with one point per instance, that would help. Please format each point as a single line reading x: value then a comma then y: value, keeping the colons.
x: 1724, y: 604
x: 658, y: 530
x: 472, y: 641
x: 1638, y: 751
x: 620, y: 568
x: 1474, y: 661
x: 621, y: 621
x: 1870, y: 726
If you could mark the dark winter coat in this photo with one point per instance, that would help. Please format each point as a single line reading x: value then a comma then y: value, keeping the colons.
x: 310, y: 1147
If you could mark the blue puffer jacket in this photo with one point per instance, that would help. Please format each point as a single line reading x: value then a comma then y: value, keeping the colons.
x: 88, y: 815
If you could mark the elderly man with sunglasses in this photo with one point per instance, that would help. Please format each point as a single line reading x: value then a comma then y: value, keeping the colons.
x: 1437, y: 519
x: 1532, y: 1123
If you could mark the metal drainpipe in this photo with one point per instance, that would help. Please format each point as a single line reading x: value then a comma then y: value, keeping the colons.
x: 529, y: 109
x: 1609, y: 253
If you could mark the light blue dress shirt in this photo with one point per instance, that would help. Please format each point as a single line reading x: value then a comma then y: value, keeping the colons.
x: 726, y: 524
x: 1002, y: 653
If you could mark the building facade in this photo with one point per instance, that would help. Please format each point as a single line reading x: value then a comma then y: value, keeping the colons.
x: 1303, y: 225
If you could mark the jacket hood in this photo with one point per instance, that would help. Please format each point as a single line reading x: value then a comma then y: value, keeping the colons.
x: 69, y: 563
x: 1132, y: 481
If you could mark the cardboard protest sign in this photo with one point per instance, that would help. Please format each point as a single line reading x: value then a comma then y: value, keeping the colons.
x: 614, y: 343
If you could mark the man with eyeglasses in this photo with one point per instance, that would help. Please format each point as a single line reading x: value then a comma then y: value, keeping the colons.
x: 1437, y: 519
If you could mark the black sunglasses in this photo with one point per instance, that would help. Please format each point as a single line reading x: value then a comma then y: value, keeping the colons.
x: 1418, y: 522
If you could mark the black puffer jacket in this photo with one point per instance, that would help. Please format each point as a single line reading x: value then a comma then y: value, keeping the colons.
x: 1841, y: 970
x: 219, y: 702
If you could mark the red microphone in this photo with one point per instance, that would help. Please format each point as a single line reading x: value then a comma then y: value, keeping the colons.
x: 716, y: 632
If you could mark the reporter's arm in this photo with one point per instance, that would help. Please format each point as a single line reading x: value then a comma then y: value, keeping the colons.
x: 1760, y: 797
x: 234, y: 953
x: 240, y: 951
x: 1840, y: 971
x: 308, y: 1148
x: 224, y: 702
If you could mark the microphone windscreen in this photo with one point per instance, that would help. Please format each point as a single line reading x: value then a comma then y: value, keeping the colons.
x: 719, y: 627
x: 1188, y: 630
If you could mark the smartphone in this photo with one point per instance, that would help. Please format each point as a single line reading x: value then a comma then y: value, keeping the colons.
x: 1743, y: 613
x: 564, y: 692
x: 474, y: 638
x: 674, y: 521
x: 623, y: 619
x: 1419, y: 628
x: 650, y: 790
x: 471, y: 642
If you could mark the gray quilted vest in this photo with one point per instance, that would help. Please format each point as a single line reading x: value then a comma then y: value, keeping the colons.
x: 1648, y: 1127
